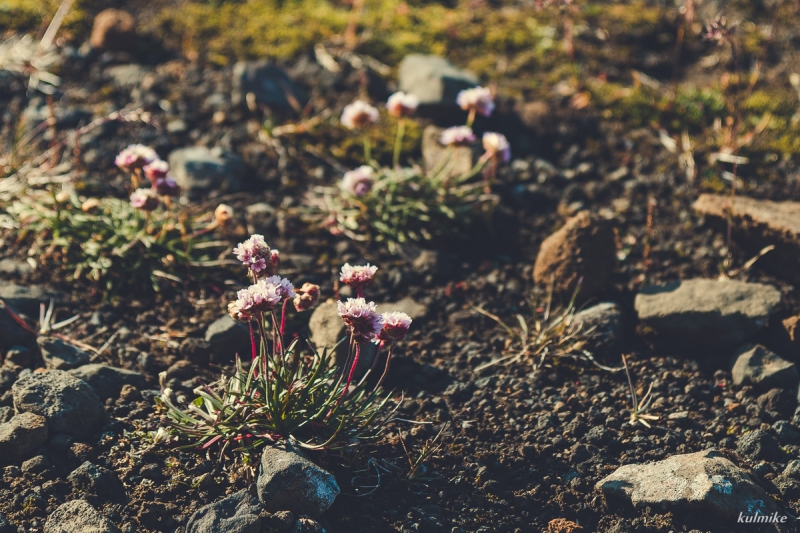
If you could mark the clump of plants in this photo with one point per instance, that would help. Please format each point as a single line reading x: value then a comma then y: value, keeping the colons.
x: 117, y: 242
x: 397, y: 204
x: 290, y: 391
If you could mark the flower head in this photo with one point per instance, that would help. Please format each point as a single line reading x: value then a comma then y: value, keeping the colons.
x: 457, y: 136
x: 358, y: 182
x: 166, y: 187
x: 282, y: 286
x: 362, y: 318
x: 135, y: 156
x: 155, y: 170
x: 402, y: 104
x: 395, y: 326
x: 496, y: 145
x: 478, y: 99
x: 256, y: 255
x: 223, y: 214
x: 307, y: 297
x: 359, y: 114
x: 261, y: 297
x: 144, y: 199
x: 357, y: 276
x: 718, y: 30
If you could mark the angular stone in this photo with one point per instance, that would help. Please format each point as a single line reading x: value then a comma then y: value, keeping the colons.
x: 433, y: 79
x: 98, y: 481
x: 269, y: 83
x: 758, y: 445
x: 78, y: 516
x: 227, y: 337
x: 60, y: 355
x: 694, y: 485
x: 755, y: 365
x: 69, y: 404
x: 237, y: 513
x: 601, y: 325
x: 288, y: 481
x: 199, y: 170
x: 21, y: 435
x: 705, y: 312
x: 107, y: 381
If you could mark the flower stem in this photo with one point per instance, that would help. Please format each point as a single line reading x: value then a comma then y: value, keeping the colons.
x: 367, y: 150
x: 471, y: 117
x: 352, y: 370
x: 385, y: 370
x: 398, y: 142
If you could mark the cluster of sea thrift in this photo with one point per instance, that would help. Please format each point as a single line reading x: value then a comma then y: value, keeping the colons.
x: 141, y: 161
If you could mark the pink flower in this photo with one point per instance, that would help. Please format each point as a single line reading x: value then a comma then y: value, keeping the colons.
x: 358, y: 182
x: 135, y: 156
x: 496, y: 145
x: 156, y: 170
x: 395, y: 326
x: 223, y: 214
x: 259, y: 298
x: 166, y: 187
x: 282, y: 286
x: 402, y: 104
x: 307, y: 297
x: 478, y: 98
x: 357, y: 276
x: 144, y: 199
x: 256, y: 255
x: 362, y: 319
x: 359, y: 114
x: 457, y: 136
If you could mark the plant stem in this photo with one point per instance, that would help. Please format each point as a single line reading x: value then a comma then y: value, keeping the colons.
x: 386, y: 369
x: 352, y: 370
x: 367, y: 150
x: 398, y: 142
x: 471, y: 117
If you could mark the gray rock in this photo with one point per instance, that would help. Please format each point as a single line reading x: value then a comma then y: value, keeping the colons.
x: 126, y: 76
x: 706, y: 313
x: 692, y: 484
x: 12, y: 332
x: 407, y: 305
x: 288, y: 481
x: 433, y: 79
x: 269, y: 83
x: 199, y: 170
x: 22, y: 356
x: 60, y: 355
x: 194, y: 350
x: 260, y: 218
x: 36, y: 465
x: 755, y: 365
x: 69, y: 404
x: 601, y: 324
x: 237, y: 513
x: 78, y: 516
x: 6, y: 526
x: 107, y: 381
x: 14, y: 267
x: 227, y: 337
x: 96, y: 480
x: 6, y: 414
x: 758, y: 445
x: 21, y: 435
x: 326, y: 325
x: 792, y: 469
x: 26, y: 298
x: 786, y: 432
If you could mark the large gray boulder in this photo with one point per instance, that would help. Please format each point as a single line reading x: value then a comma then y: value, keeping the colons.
x: 69, y: 404
x: 20, y: 436
x: 433, y: 79
x: 698, y: 485
x: 199, y: 171
x: 287, y: 481
x: 706, y: 313
x: 237, y: 513
x: 755, y: 365
x: 78, y: 516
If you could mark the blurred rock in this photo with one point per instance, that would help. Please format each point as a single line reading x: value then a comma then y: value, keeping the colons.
x: 755, y: 365
x: 78, y: 516
x: 269, y: 83
x: 601, y: 324
x: 126, y: 76
x: 196, y: 351
x: 107, y: 381
x: 227, y: 337
x: 60, y: 355
x: 14, y: 267
x: 260, y: 218
x: 433, y: 79
x: 325, y: 325
x: 27, y: 298
x: 437, y: 156
x: 21, y: 435
x: 113, y: 29
x: 237, y: 513
x: 407, y: 305
x: 199, y: 170
x: 21, y: 356
x: 758, y: 445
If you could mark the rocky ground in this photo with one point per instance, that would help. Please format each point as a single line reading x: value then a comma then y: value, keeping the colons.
x: 588, y: 195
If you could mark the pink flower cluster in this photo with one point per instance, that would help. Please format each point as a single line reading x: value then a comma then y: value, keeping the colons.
x: 395, y: 326
x: 135, y: 156
x: 365, y: 324
x: 358, y: 182
x: 357, y: 277
x: 138, y: 158
x: 402, y: 104
x: 144, y: 199
x: 359, y: 114
x: 262, y: 297
x: 478, y: 99
x: 257, y: 256
x: 307, y: 297
x: 496, y: 145
x: 457, y: 136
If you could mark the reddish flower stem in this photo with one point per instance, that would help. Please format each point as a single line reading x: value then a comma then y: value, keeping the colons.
x: 352, y: 370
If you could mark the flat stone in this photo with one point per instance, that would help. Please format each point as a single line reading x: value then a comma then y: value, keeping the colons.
x: 269, y: 83
x: 755, y: 365
x: 27, y: 298
x: 237, y: 513
x: 288, y: 481
x: 21, y: 435
x: 69, y: 404
x: 199, y: 170
x: 107, y: 381
x: 694, y: 485
x: 433, y: 79
x: 706, y: 313
x: 227, y: 337
x: 60, y: 355
x: 78, y: 516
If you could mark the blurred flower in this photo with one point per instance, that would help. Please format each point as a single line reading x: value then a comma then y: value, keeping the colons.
x: 155, y: 170
x: 359, y: 114
x: 256, y: 255
x: 89, y: 204
x: 395, y: 326
x: 161, y: 436
x: 402, y: 104
x: 544, y: 4
x: 135, y: 156
x: 362, y: 318
x: 307, y: 297
x: 144, y: 199
x: 457, y: 136
x: 718, y: 30
x: 223, y: 214
x: 478, y: 99
x: 358, y: 182
x: 357, y: 276
x: 496, y: 145
x: 166, y: 187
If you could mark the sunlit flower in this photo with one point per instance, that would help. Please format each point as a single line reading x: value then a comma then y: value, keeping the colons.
x: 362, y: 318
x: 155, y: 170
x: 359, y: 114
x: 307, y: 297
x: 223, y: 214
x: 135, y: 156
x: 166, y: 187
x: 237, y: 313
x: 261, y: 297
x: 478, y: 99
x: 395, y: 326
x: 496, y: 145
x: 357, y: 276
x: 402, y: 104
x: 144, y: 199
x: 256, y: 255
x: 457, y: 136
x: 282, y: 286
x: 358, y: 182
